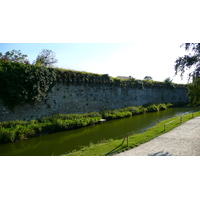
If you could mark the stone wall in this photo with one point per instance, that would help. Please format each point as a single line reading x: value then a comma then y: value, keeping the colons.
x: 83, y: 98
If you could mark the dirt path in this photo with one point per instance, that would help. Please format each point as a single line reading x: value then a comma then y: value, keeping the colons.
x: 181, y: 141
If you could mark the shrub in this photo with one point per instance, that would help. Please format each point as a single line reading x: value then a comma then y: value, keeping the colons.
x: 12, y: 124
x: 7, y: 135
x: 162, y: 106
x: 153, y: 108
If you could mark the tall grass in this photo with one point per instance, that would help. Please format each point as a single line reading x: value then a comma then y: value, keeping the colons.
x: 19, y: 130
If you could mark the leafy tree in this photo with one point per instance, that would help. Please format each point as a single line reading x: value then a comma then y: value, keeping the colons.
x: 191, y: 62
x: 194, y: 92
x: 148, y: 78
x: 14, y: 56
x: 46, y: 58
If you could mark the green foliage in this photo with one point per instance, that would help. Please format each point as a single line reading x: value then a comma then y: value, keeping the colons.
x: 194, y: 92
x: 162, y: 106
x: 186, y: 62
x: 168, y: 82
x: 22, y: 83
x: 157, y: 107
x: 19, y: 130
x: 115, y: 114
x: 14, y: 56
x: 6, y: 135
x: 191, y: 62
x: 153, y: 108
x: 112, y: 147
x: 122, y: 112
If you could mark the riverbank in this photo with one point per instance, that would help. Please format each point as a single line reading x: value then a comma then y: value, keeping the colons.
x: 183, y: 140
x: 112, y: 147
x: 20, y: 130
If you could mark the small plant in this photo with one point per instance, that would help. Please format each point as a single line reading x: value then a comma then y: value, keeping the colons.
x: 168, y: 82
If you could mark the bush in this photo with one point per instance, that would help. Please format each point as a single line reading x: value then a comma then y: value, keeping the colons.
x: 7, y: 135
x: 12, y: 124
x: 162, y: 106
x: 153, y: 108
x: 115, y: 114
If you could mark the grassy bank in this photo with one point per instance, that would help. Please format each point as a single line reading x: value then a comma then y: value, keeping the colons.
x: 19, y: 130
x: 111, y: 146
x: 133, y: 110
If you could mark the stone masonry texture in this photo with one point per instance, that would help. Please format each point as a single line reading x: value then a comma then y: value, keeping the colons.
x: 84, y: 98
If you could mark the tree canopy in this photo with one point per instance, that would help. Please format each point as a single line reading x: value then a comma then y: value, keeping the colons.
x: 46, y: 58
x: 191, y: 62
x: 14, y: 56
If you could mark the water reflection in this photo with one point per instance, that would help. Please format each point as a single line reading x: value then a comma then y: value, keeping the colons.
x: 59, y: 143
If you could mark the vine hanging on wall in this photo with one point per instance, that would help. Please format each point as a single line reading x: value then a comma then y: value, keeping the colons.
x: 21, y: 83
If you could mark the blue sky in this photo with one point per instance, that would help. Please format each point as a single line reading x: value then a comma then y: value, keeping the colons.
x: 116, y: 59
x: 119, y: 38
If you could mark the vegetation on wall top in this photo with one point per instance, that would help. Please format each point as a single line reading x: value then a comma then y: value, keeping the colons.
x: 22, y: 83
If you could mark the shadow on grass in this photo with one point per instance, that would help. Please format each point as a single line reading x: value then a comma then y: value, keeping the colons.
x: 116, y: 149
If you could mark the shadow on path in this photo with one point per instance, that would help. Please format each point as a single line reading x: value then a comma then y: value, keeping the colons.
x: 160, y: 153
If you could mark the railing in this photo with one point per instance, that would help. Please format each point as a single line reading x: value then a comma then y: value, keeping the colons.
x: 131, y: 133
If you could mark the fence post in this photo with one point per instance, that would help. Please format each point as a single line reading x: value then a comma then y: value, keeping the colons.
x: 192, y: 115
x: 127, y: 139
x: 181, y: 120
x: 164, y: 127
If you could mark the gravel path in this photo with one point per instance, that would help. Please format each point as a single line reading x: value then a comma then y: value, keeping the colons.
x: 183, y: 140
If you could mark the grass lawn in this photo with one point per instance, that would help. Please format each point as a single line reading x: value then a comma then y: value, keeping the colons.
x: 112, y: 147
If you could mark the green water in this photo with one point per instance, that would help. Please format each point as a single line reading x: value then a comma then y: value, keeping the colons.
x: 62, y: 142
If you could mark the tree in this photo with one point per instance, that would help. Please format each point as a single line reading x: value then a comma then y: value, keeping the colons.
x: 194, y: 92
x: 14, y: 56
x: 191, y: 62
x: 168, y: 81
x: 148, y: 78
x: 46, y: 58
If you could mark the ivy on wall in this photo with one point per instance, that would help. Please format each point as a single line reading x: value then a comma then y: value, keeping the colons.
x: 23, y: 83
x: 20, y: 83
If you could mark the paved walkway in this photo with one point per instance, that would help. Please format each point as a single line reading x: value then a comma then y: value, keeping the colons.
x: 183, y: 140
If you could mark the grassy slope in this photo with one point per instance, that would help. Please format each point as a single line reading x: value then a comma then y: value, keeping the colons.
x: 115, y: 146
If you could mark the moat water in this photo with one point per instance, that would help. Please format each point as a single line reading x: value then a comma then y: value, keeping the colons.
x: 64, y: 142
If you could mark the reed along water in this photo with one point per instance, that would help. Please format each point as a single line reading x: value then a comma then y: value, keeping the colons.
x: 64, y: 142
